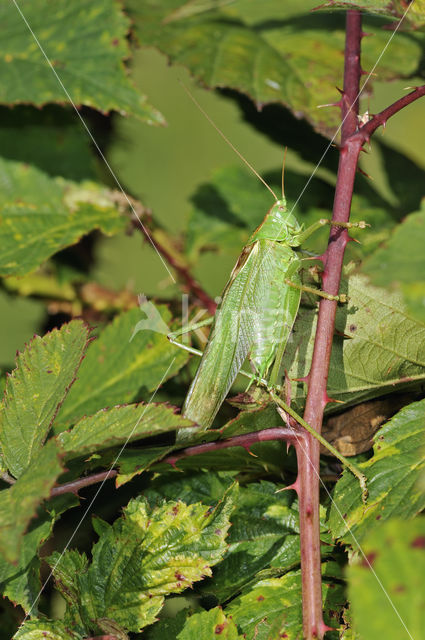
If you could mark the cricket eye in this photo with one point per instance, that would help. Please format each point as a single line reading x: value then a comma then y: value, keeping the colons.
x: 281, y: 208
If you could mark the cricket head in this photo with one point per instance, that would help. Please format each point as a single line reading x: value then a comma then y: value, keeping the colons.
x: 279, y: 225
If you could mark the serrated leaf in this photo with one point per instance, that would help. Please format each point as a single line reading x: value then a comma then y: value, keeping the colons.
x: 18, y: 504
x: 45, y: 630
x: 21, y: 582
x: 392, y: 474
x: 394, y: 607
x: 143, y: 556
x: 272, y: 607
x: 117, y: 365
x: 133, y: 462
x: 378, y: 347
x: 85, y: 44
x: 41, y: 215
x: 110, y: 427
x: 36, y: 388
x: 66, y: 567
x: 400, y: 263
x: 264, y: 533
x: 271, y: 51
x: 207, y: 625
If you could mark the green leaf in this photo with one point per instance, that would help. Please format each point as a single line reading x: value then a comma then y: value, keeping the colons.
x: 264, y: 532
x: 404, y: 175
x: 42, y: 215
x: 24, y: 130
x: 117, y: 365
x: 272, y: 607
x: 45, y: 630
x: 18, y: 504
x: 392, y: 474
x: 378, y: 346
x: 66, y: 567
x: 271, y: 51
x: 208, y: 624
x: 168, y: 628
x: 21, y: 582
x: 393, y: 607
x: 86, y: 45
x: 393, y: 10
x: 36, y: 388
x: 400, y: 262
x: 133, y: 462
x: 143, y: 556
x: 110, y: 427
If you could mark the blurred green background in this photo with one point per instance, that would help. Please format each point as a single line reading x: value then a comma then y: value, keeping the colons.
x: 164, y: 166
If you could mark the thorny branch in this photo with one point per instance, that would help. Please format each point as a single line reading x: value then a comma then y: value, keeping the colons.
x: 289, y: 435
x: 352, y: 140
x: 317, y: 398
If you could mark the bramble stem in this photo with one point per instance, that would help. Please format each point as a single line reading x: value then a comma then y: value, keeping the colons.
x: 283, y: 408
x: 314, y: 627
x: 245, y: 441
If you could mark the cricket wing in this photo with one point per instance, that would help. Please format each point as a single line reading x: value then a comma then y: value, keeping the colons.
x: 281, y: 307
x: 230, y: 342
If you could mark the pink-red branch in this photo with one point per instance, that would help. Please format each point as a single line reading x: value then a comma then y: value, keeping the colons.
x: 74, y: 486
x: 380, y: 119
x: 289, y: 435
x: 308, y: 464
x: 352, y: 140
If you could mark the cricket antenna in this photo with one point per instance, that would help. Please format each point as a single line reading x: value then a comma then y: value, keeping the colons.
x: 283, y: 173
x: 211, y: 121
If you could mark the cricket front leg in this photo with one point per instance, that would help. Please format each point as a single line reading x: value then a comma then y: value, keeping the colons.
x: 324, y: 221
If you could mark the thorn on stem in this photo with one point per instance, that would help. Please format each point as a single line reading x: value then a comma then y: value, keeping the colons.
x: 364, y: 173
x: 295, y: 486
x: 172, y: 460
x: 248, y: 450
x: 304, y: 379
x: 324, y: 628
x: 327, y: 399
x: 329, y: 104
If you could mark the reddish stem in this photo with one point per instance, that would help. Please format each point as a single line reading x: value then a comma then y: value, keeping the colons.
x: 75, y: 485
x: 308, y: 464
x: 380, y: 119
x: 292, y: 436
x: 352, y: 140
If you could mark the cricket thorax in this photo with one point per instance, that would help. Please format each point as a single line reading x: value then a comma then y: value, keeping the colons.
x: 279, y: 225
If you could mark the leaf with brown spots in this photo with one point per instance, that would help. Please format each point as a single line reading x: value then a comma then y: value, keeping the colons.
x: 387, y: 584
x: 208, y: 625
